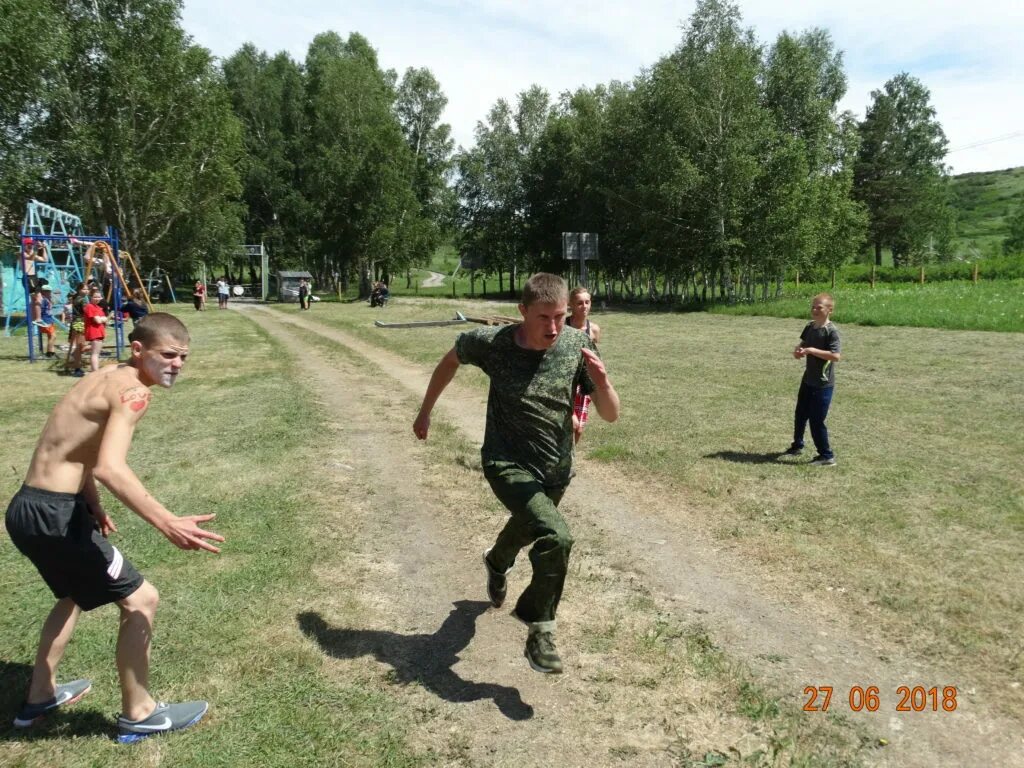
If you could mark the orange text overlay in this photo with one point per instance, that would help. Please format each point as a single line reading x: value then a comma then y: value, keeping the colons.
x: 868, y: 698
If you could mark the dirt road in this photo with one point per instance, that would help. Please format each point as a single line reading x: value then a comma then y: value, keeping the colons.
x: 418, y: 523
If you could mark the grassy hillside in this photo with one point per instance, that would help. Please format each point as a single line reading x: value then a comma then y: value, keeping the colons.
x: 984, y: 203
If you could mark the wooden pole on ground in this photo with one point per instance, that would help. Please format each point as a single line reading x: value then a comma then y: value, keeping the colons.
x: 872, y: 275
x: 922, y: 274
x: 833, y: 278
x: 798, y: 278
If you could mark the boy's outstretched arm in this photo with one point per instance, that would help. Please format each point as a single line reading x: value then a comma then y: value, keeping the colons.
x: 605, y: 398
x: 441, y: 378
x: 113, y: 471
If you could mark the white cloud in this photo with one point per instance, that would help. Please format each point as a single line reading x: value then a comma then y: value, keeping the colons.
x: 481, y: 50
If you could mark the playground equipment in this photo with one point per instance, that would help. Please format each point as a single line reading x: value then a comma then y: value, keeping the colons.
x: 55, y: 248
x: 160, y: 277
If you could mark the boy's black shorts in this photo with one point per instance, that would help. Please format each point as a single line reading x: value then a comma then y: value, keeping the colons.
x: 59, y: 535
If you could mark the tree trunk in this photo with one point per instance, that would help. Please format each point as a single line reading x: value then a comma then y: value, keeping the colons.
x: 878, y: 253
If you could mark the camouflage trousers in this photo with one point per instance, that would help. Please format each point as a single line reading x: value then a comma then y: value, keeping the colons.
x: 535, y: 520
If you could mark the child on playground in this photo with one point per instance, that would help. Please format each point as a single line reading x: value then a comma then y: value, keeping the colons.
x: 76, y: 333
x: 58, y: 522
x: 46, y: 322
x: 135, y: 307
x: 95, y: 328
x: 819, y: 346
x: 579, y: 318
x: 534, y: 368
x: 33, y: 253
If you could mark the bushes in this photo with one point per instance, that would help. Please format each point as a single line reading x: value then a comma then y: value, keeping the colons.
x: 998, y: 268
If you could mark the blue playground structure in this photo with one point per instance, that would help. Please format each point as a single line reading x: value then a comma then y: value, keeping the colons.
x: 54, y: 247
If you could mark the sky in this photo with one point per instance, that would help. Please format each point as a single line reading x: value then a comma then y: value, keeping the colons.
x: 968, y: 54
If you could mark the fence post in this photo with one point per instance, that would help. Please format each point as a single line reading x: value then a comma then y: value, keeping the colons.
x: 872, y: 275
x: 798, y: 278
x: 833, y: 278
x: 922, y: 274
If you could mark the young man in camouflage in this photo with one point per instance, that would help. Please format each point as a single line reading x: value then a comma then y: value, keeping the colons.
x: 534, y: 368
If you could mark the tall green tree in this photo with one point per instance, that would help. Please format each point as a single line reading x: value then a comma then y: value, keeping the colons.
x: 33, y: 49
x: 419, y: 104
x: 807, y: 174
x: 492, y: 185
x: 564, y: 176
x: 718, y: 65
x: 899, y: 174
x: 268, y: 97
x: 143, y: 133
x: 358, y: 167
x: 1014, y: 242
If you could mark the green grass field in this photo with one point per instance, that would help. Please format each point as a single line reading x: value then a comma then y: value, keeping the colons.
x: 226, y: 626
x: 916, y: 532
x: 986, y: 306
x: 917, y: 526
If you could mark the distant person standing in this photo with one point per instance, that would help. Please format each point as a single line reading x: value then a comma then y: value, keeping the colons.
x: 579, y: 318
x: 76, y: 335
x: 95, y: 328
x: 223, y: 292
x: 819, y: 346
x: 33, y: 253
x: 303, y: 294
x: 46, y: 322
x: 199, y: 296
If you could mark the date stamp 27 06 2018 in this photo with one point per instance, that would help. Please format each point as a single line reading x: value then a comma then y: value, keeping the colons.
x: 860, y: 698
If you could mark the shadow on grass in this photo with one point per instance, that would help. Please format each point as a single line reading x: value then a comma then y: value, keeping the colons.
x: 740, y: 457
x: 62, y: 724
x: 423, y: 659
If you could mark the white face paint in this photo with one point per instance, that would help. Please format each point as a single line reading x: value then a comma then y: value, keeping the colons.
x: 161, y: 363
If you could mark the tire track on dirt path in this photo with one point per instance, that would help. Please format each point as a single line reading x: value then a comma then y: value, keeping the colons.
x: 693, y: 577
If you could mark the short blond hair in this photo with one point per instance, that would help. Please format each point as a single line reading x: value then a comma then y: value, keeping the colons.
x: 825, y: 297
x: 545, y: 288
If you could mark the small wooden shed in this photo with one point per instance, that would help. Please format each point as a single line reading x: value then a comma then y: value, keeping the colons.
x: 288, y: 285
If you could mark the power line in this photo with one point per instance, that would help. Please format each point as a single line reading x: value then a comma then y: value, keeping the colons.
x: 985, y: 142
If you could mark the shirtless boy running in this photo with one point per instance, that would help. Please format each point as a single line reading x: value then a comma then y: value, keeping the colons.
x: 57, y: 521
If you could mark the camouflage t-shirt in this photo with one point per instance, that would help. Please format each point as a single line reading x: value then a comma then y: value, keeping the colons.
x: 529, y: 406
